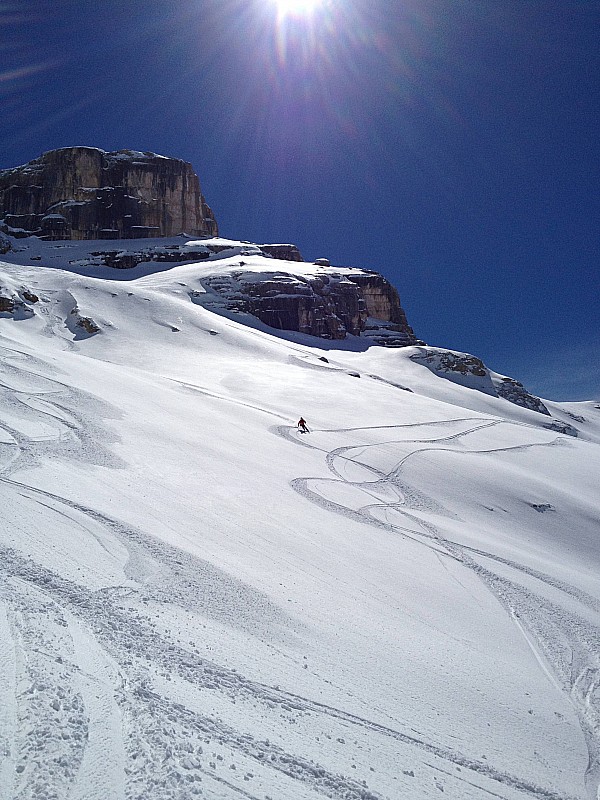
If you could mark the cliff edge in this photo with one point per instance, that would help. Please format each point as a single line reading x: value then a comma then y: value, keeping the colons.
x: 88, y: 193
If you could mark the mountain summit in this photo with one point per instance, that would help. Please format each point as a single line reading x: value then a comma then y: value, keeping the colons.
x: 88, y: 193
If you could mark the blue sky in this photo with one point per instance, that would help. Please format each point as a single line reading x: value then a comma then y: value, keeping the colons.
x: 452, y: 145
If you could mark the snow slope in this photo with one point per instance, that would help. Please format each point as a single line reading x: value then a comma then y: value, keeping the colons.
x: 196, y: 600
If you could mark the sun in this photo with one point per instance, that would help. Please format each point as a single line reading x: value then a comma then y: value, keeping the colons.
x: 296, y: 8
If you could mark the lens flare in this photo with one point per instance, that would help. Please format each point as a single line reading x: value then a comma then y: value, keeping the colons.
x: 296, y: 8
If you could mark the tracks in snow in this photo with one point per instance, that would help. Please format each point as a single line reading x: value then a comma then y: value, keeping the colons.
x: 380, y: 496
x: 84, y: 676
x: 105, y: 697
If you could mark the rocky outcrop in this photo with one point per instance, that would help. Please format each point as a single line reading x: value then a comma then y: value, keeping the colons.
x: 285, y: 252
x: 30, y: 296
x: 561, y: 427
x: 471, y: 372
x: 387, y: 324
x: 87, y: 193
x: 448, y: 362
x: 13, y: 303
x: 327, y: 305
x: 87, y: 323
x: 7, y: 304
x: 514, y: 391
x: 164, y: 254
x: 5, y: 244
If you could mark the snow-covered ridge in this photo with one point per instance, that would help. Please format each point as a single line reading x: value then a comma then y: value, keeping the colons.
x: 470, y: 371
x: 291, y: 295
x: 242, y: 280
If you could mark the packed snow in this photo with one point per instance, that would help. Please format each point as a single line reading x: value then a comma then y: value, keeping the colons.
x: 199, y: 600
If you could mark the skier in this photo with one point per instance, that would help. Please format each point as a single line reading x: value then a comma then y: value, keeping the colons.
x: 302, y: 427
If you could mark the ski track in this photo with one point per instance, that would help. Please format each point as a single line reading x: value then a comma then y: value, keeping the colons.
x: 8, y: 707
x: 568, y: 643
x: 168, y: 739
x: 84, y: 711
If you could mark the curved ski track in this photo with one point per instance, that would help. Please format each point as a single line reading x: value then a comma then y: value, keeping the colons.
x: 92, y: 682
x: 550, y: 629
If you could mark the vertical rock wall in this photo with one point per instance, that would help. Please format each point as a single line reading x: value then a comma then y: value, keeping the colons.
x: 383, y: 306
x: 87, y: 193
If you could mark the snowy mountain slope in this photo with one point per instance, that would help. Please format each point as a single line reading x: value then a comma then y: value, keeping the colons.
x: 198, y: 600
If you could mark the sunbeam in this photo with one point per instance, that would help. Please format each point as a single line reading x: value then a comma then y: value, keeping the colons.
x: 296, y: 7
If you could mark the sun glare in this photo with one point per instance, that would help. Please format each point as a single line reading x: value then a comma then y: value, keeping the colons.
x: 296, y: 7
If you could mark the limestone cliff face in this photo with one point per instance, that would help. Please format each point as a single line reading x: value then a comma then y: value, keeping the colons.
x: 87, y: 193
x: 387, y: 324
x: 329, y: 304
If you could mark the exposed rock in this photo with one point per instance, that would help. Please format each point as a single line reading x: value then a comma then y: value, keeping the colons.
x: 322, y: 262
x: 381, y: 297
x: 29, y: 296
x: 7, y: 304
x: 179, y: 253
x: 386, y: 334
x: 327, y: 305
x: 5, y: 245
x: 332, y: 303
x: 285, y: 252
x: 471, y: 372
x: 449, y: 361
x: 541, y: 508
x: 326, y: 302
x: 87, y: 193
x: 562, y: 427
x: 87, y: 323
x: 515, y: 392
x: 387, y: 324
x: 576, y: 417
x: 11, y: 303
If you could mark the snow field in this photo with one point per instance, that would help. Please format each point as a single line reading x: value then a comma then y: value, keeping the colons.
x: 198, y: 600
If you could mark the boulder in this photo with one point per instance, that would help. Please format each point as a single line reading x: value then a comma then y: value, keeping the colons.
x: 88, y: 325
x: 7, y: 304
x: 29, y: 296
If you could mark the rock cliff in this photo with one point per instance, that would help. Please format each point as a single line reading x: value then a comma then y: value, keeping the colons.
x: 329, y: 302
x: 387, y: 324
x: 285, y: 252
x: 324, y: 301
x: 470, y: 371
x: 325, y: 305
x: 87, y: 193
